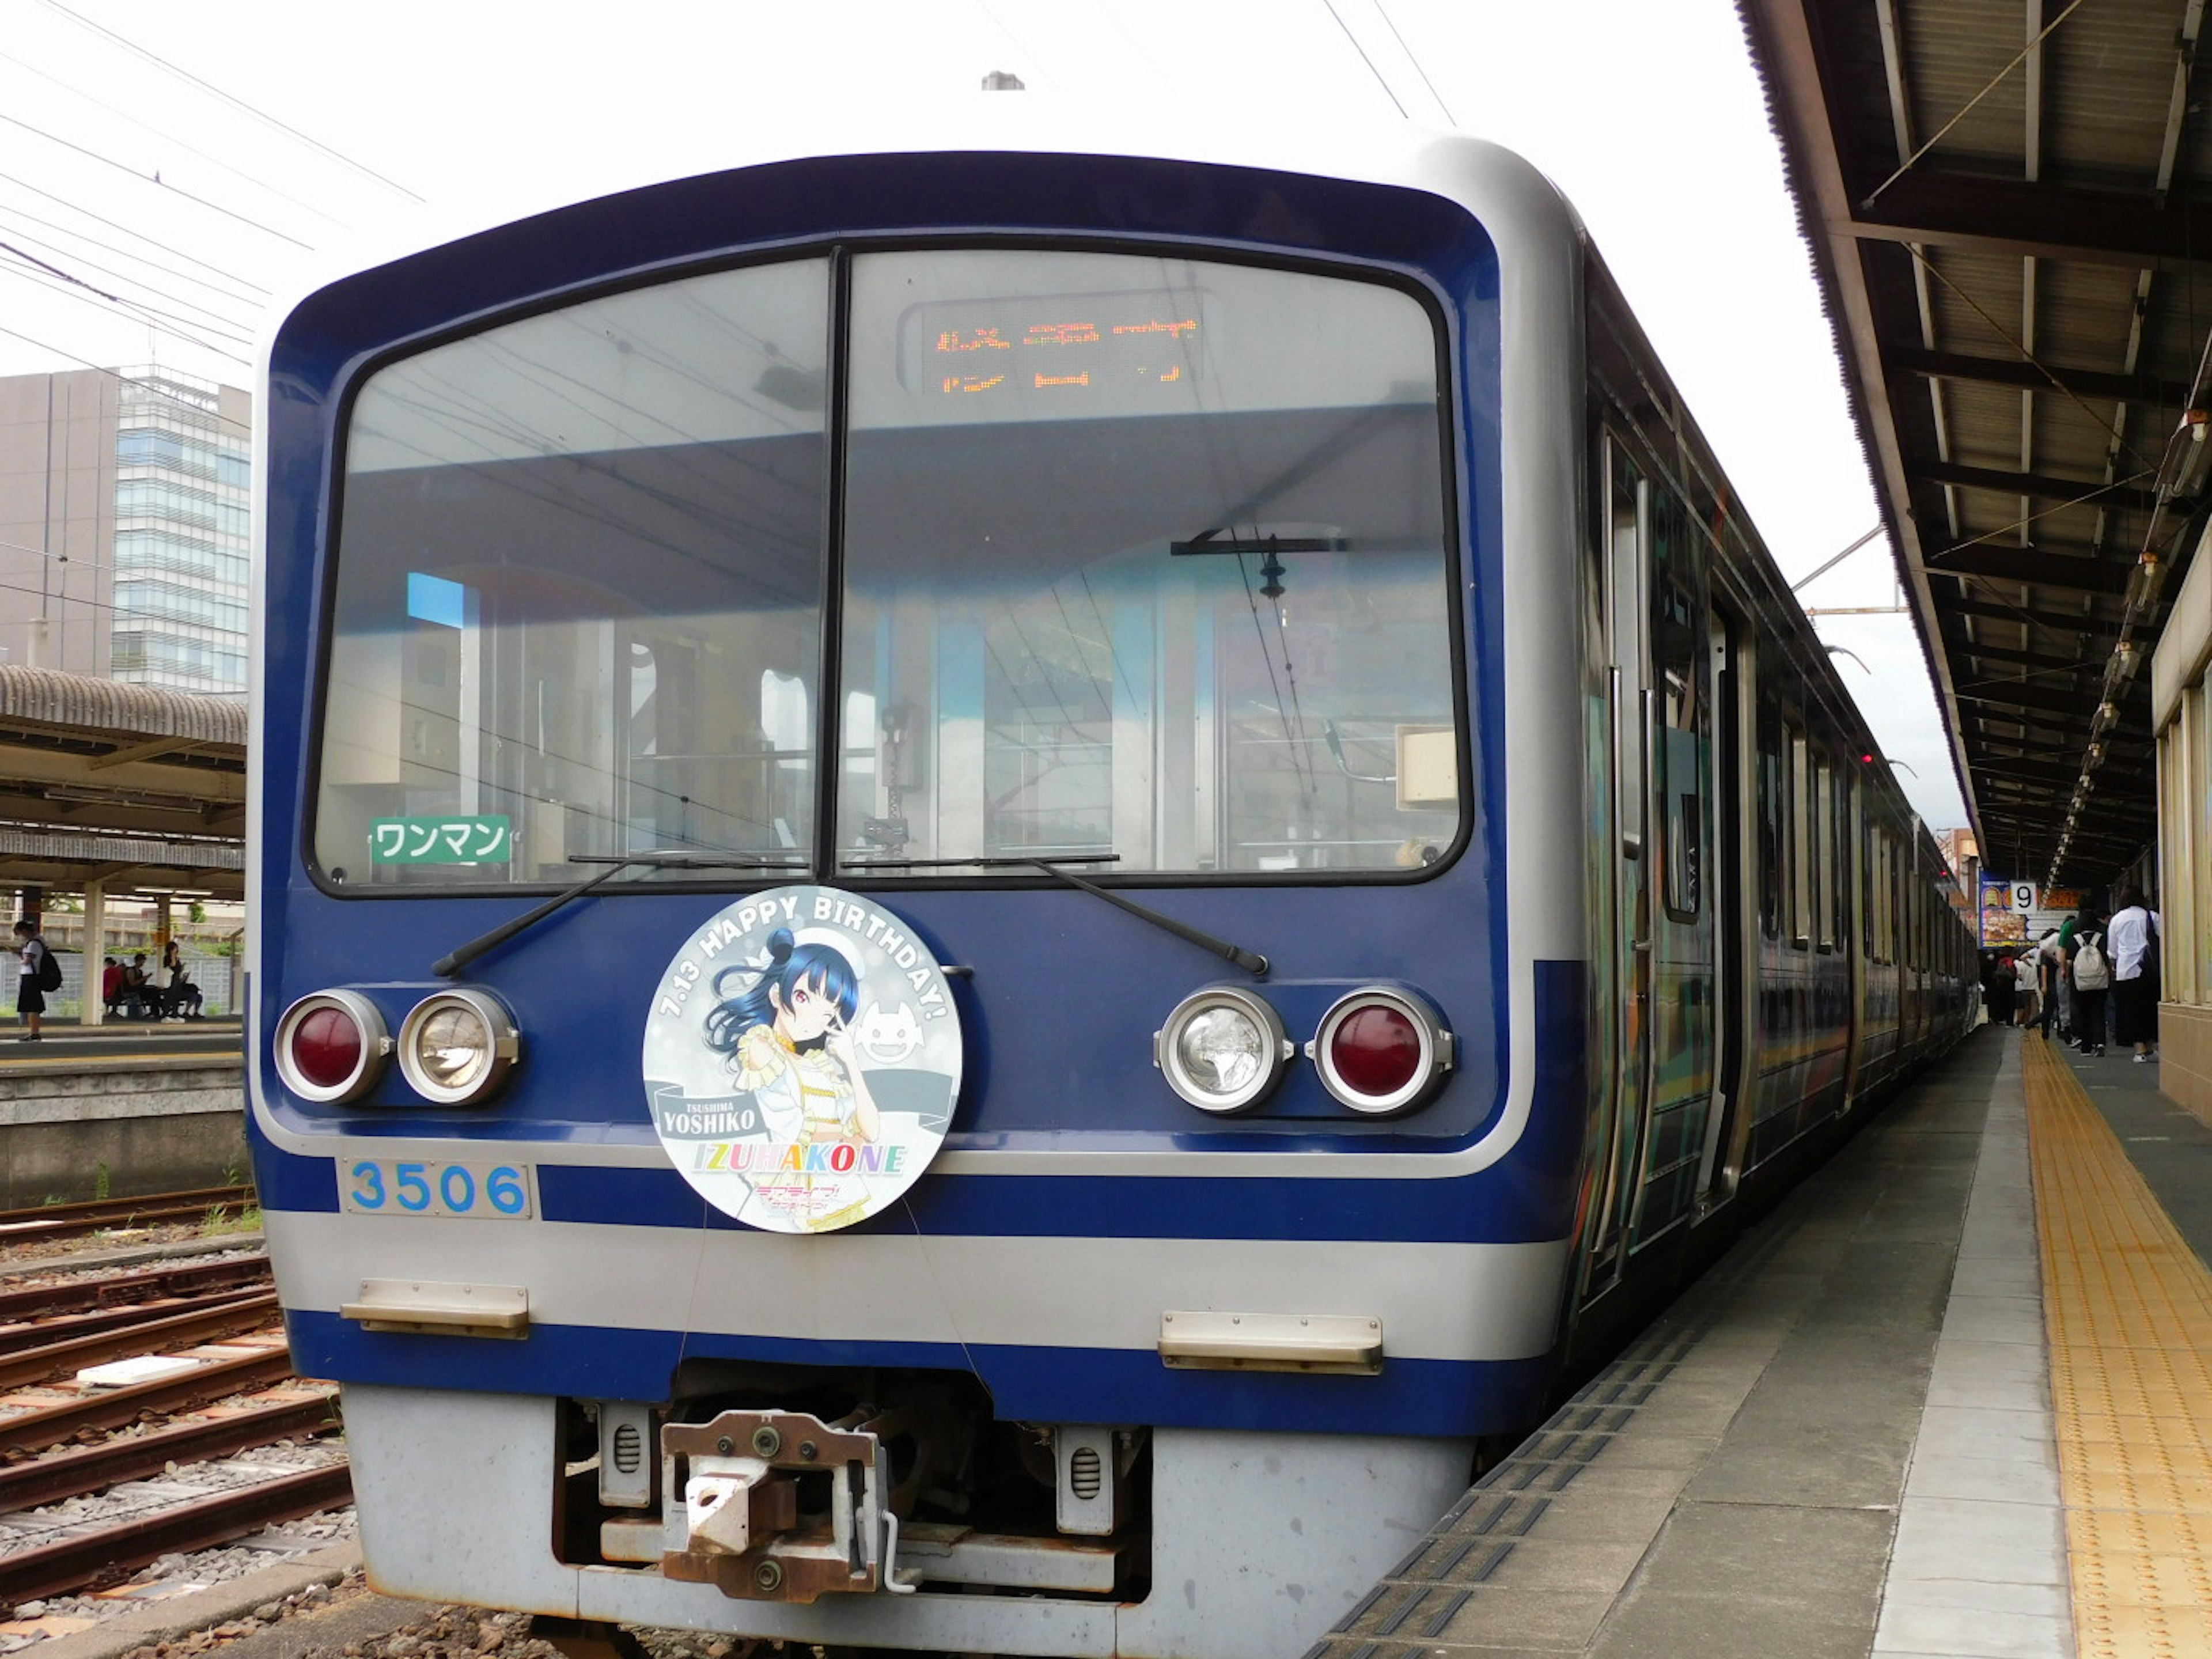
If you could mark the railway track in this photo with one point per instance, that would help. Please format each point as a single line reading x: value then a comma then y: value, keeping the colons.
x: 62, y: 1221
x: 40, y: 1314
x: 101, y: 1475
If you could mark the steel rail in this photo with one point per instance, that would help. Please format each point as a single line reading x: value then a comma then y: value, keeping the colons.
x: 69, y: 1327
x: 75, y: 1220
x: 74, y: 1473
x: 70, y: 1562
x: 235, y: 1313
x: 92, y: 1206
x: 111, y: 1408
x: 117, y: 1290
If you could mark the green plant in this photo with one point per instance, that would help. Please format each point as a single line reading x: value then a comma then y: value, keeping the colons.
x: 219, y: 1220
x: 100, y: 1182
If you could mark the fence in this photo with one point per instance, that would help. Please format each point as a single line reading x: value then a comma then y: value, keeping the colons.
x: 210, y: 973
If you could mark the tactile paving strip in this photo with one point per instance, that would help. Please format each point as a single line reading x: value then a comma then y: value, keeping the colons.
x: 2129, y: 1310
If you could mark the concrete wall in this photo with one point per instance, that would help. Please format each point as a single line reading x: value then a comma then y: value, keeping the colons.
x: 2184, y: 1054
x: 57, y: 513
x: 163, y: 1128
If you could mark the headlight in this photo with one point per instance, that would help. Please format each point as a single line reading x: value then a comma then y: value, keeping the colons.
x: 1222, y: 1050
x: 1380, y: 1050
x: 457, y: 1046
x: 331, y: 1047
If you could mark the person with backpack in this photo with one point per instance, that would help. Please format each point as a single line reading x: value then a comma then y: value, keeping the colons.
x: 41, y: 973
x: 2092, y: 972
x: 2134, y: 938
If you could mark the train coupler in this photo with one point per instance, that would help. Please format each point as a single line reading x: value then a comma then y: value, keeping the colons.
x: 779, y: 1506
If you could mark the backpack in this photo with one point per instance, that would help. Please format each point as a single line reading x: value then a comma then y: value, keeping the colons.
x: 2091, y: 971
x: 2004, y: 973
x: 49, y: 968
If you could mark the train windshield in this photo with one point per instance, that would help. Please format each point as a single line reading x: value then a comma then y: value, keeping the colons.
x: 1140, y: 559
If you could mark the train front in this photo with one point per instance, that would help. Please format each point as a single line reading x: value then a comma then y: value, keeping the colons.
x: 1038, y: 1135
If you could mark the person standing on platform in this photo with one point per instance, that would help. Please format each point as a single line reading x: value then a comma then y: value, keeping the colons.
x: 2135, y: 976
x: 2004, y: 991
x: 2067, y: 1015
x: 31, y: 997
x: 2047, y: 964
x: 2091, y: 966
x: 171, y: 978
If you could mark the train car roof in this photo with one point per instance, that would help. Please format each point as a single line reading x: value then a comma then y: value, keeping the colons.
x: 1400, y: 153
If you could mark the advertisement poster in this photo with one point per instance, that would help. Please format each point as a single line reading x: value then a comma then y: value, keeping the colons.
x: 802, y: 1057
x: 2018, y: 913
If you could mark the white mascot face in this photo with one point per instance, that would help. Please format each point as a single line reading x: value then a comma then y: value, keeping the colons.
x: 887, y: 1039
x: 782, y: 1103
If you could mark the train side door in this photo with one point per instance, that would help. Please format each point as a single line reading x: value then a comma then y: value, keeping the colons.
x: 1734, y: 964
x: 1625, y: 505
x: 1678, y: 863
x: 1851, y: 921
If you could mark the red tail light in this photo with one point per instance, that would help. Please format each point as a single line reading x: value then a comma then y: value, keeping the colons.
x: 1381, y: 1050
x: 331, y: 1047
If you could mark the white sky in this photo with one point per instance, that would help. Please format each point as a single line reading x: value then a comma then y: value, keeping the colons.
x: 1646, y: 113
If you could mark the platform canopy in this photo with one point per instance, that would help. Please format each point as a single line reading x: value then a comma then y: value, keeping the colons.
x: 140, y: 789
x: 2000, y: 198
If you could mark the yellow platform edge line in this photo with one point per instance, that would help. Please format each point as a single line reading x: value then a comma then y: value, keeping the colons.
x: 2122, y: 1293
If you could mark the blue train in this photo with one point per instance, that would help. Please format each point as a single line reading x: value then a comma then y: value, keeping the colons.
x: 998, y: 888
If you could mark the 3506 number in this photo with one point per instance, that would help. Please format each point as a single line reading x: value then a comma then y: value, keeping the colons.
x: 475, y: 1192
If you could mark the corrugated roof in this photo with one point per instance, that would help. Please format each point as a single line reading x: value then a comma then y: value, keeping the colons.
x: 1999, y: 197
x: 50, y: 696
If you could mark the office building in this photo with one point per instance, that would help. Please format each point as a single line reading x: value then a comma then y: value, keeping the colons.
x: 123, y: 527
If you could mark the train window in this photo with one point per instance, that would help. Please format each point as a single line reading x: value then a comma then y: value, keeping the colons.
x: 1866, y: 867
x: 1802, y: 853
x: 1683, y: 746
x: 577, y: 596
x: 1881, y: 896
x: 1839, y: 888
x: 1146, y: 558
x: 1825, y: 854
x: 1772, y: 793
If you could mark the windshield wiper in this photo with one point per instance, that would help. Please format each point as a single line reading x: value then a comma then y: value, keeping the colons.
x: 666, y: 858
x: 1251, y: 961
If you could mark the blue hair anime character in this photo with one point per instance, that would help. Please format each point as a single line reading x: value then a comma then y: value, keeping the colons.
x: 785, y: 1038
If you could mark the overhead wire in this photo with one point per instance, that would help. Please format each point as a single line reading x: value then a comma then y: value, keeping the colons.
x: 244, y: 327
x: 97, y: 218
x: 70, y: 288
x: 1450, y: 118
x: 171, y: 138
x: 14, y: 212
x: 1995, y: 81
x: 2111, y: 430
x: 156, y: 180
x: 1330, y: 5
x: 214, y: 91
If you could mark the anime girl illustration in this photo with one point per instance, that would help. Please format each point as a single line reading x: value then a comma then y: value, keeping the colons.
x: 785, y: 1040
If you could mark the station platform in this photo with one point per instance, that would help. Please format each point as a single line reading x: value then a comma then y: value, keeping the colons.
x: 120, y: 1108
x: 1953, y: 1399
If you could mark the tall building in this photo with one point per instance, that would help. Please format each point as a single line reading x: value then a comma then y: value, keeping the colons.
x: 123, y: 527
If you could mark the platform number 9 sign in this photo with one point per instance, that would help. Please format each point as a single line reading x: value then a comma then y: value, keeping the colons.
x: 2023, y: 897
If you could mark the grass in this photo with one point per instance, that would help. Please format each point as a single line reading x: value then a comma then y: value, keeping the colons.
x: 220, y: 1220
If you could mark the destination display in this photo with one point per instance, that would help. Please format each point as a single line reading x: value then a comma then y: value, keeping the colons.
x: 1077, y: 349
